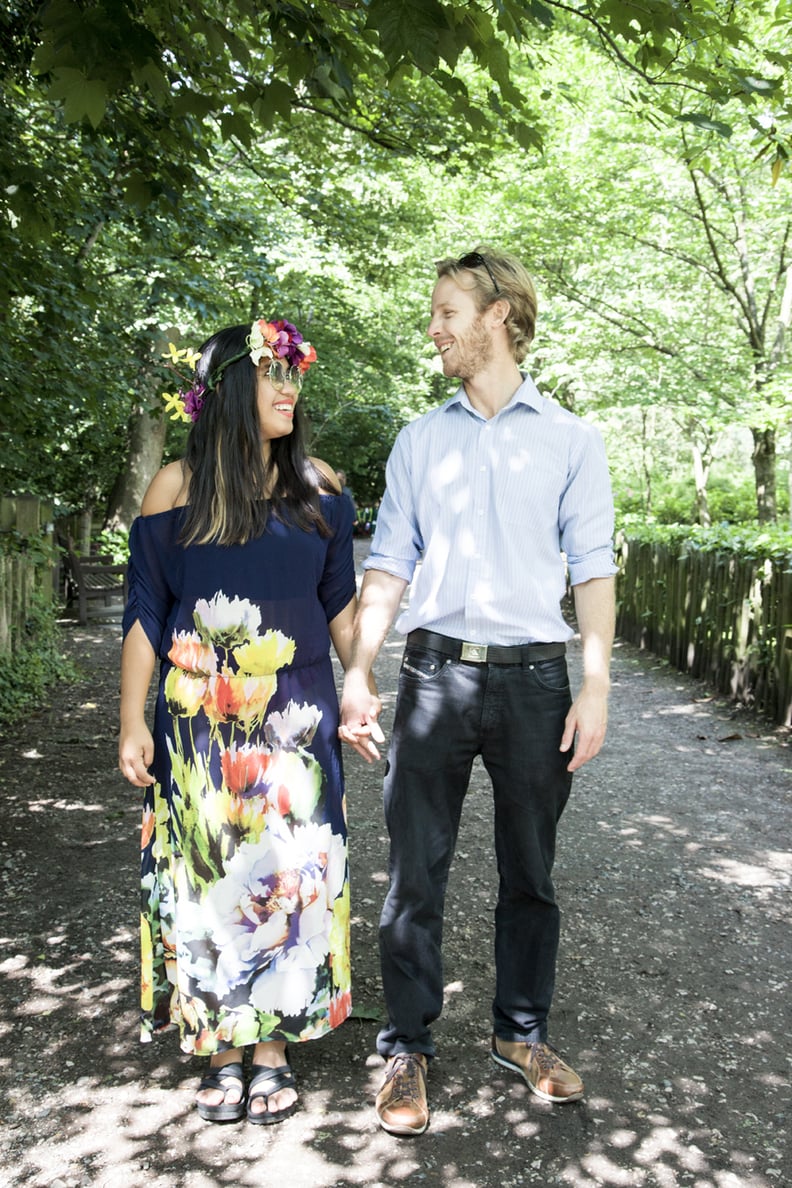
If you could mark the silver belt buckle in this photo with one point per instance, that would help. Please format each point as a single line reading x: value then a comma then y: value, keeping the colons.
x: 477, y: 653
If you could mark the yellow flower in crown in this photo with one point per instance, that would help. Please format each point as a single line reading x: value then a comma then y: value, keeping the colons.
x: 182, y: 356
x: 183, y: 405
x: 265, y: 655
x: 174, y: 406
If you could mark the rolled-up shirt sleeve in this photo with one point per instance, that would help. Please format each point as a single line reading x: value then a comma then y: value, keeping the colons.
x: 397, y: 544
x: 586, y: 514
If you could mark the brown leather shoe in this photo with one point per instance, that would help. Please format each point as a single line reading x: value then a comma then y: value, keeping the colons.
x: 542, y: 1069
x: 401, y: 1102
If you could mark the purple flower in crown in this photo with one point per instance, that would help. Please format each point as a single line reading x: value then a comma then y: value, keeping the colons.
x: 193, y: 401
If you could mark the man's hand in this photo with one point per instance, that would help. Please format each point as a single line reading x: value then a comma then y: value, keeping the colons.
x: 360, y: 710
x: 588, y: 718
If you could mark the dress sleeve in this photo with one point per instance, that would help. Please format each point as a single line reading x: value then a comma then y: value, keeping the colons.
x: 150, y: 597
x: 337, y: 584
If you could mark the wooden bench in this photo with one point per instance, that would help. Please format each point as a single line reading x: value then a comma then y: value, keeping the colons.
x: 93, y: 577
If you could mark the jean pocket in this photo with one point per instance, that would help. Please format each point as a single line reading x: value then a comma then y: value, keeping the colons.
x: 422, y: 665
x: 552, y: 675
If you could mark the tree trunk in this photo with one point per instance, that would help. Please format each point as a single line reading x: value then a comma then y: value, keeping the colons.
x: 85, y: 529
x: 764, y: 460
x: 701, y: 474
x: 143, y: 460
x: 646, y: 461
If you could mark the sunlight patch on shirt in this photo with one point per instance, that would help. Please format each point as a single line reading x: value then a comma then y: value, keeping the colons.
x: 447, y: 470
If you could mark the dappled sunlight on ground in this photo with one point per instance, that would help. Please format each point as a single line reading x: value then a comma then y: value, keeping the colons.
x: 672, y: 996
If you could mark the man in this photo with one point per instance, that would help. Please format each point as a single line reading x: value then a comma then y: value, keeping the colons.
x: 491, y: 490
x: 347, y: 494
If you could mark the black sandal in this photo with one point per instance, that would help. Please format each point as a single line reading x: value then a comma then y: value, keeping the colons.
x: 224, y: 1111
x: 264, y: 1082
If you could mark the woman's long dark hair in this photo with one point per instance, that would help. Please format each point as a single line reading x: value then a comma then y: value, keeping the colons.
x: 232, y: 488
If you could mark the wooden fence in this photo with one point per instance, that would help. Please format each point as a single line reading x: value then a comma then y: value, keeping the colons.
x: 715, y: 615
x: 20, y: 574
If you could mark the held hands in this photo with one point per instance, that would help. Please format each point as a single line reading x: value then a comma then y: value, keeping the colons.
x: 360, y: 709
x: 135, y: 754
x: 588, y: 718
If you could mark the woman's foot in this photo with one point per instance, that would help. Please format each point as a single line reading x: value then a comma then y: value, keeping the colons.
x: 221, y: 1093
x: 275, y: 1103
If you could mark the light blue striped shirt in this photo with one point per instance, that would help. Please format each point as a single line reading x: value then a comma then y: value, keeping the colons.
x: 493, y: 509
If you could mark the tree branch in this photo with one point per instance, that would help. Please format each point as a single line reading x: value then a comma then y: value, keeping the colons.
x: 628, y: 324
x: 609, y: 41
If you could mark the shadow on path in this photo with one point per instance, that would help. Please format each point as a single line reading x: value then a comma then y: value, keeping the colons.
x: 673, y: 999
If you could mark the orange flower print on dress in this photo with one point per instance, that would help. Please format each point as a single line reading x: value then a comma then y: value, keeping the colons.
x: 188, y: 651
x: 340, y: 1006
x: 147, y: 828
x: 244, y: 769
x: 233, y: 698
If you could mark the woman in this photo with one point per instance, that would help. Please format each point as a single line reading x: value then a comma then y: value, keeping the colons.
x: 241, y: 573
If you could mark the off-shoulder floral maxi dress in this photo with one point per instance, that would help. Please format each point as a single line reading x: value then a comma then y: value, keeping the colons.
x: 245, y: 889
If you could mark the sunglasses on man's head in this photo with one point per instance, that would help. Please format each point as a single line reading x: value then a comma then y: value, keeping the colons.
x: 476, y: 260
x: 279, y: 376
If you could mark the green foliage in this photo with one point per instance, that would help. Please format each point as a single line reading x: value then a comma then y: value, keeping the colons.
x: 747, y: 540
x: 174, y: 167
x: 38, y: 662
x: 245, y: 63
x: 40, y: 550
x: 114, y: 543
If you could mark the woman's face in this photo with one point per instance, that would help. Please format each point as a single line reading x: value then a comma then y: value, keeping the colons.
x: 278, y: 393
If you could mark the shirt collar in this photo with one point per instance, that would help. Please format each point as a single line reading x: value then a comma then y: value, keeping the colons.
x: 527, y: 394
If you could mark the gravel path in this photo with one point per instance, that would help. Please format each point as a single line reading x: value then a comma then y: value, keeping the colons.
x: 673, y: 996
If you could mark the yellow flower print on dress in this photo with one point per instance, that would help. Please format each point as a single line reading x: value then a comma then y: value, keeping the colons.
x: 339, y: 942
x: 146, y: 965
x: 265, y: 655
x: 184, y: 693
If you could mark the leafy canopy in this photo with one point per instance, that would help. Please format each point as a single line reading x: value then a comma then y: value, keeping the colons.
x: 248, y: 63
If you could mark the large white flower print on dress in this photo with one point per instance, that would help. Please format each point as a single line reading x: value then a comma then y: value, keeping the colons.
x: 272, y: 912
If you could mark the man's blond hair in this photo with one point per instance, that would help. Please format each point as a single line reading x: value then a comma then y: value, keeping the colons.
x: 511, y: 282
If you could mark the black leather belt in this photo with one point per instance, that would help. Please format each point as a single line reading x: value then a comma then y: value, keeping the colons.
x: 457, y: 649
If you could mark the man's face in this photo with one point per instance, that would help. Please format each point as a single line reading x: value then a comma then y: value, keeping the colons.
x: 459, y: 331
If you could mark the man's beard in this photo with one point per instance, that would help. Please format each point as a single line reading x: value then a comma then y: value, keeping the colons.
x: 471, y: 353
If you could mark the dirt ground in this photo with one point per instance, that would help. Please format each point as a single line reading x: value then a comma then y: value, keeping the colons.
x: 673, y: 997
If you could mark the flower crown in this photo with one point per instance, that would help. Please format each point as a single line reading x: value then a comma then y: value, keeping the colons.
x: 266, y: 340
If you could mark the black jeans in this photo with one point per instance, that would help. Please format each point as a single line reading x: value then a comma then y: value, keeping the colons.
x: 448, y: 712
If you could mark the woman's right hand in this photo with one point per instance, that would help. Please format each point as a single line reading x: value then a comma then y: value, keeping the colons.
x: 136, y: 754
